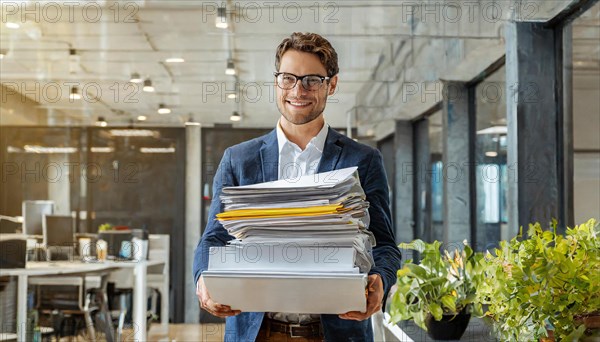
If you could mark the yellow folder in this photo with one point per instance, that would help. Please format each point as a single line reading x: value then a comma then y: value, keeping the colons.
x: 281, y: 212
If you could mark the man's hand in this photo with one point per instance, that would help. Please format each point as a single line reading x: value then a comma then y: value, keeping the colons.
x: 209, y: 305
x: 374, y: 299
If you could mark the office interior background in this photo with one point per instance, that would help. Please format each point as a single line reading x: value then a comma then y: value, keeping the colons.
x: 487, y: 113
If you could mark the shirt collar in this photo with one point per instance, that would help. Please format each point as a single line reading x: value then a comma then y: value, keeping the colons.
x: 317, y: 141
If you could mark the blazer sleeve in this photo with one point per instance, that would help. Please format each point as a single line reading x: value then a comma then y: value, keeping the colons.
x: 214, y: 234
x: 386, y: 254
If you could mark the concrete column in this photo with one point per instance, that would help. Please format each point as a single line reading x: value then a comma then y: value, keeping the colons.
x: 536, y: 160
x: 193, y: 195
x: 405, y: 178
x: 458, y: 142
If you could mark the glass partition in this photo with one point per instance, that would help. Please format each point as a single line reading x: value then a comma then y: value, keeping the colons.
x: 437, y: 173
x: 490, y: 161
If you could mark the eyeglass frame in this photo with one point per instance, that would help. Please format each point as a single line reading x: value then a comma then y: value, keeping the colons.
x: 301, y: 78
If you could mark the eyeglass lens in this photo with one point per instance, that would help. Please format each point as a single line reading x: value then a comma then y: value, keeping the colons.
x: 309, y: 82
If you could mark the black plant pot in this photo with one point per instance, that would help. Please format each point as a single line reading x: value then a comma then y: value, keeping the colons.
x: 451, y: 327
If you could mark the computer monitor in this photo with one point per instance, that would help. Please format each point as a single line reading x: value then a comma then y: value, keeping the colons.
x: 59, y: 230
x: 33, y: 216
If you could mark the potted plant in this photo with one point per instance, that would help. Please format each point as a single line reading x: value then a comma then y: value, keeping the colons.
x: 439, y: 292
x: 545, y: 282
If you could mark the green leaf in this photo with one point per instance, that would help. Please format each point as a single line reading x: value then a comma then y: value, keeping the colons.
x: 449, y: 302
x: 417, y: 245
x: 436, y: 311
x: 417, y: 270
x: 402, y: 272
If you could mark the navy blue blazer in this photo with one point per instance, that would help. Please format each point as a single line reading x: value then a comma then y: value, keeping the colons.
x: 256, y: 161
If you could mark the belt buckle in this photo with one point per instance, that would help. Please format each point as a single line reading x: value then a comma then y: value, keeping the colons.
x: 292, y: 326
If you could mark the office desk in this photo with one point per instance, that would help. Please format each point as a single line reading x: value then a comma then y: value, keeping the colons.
x: 74, y: 268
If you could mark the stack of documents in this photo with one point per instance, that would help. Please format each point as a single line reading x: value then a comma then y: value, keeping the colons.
x: 301, y: 246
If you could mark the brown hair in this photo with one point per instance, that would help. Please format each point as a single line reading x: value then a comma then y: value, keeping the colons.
x: 311, y: 43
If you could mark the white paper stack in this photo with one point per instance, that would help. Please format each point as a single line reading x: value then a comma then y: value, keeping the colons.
x: 301, y: 246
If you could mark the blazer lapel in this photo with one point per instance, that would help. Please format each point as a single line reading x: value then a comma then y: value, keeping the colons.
x: 269, y: 157
x: 331, y: 151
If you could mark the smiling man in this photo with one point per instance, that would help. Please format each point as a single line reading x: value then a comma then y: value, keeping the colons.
x: 303, y: 144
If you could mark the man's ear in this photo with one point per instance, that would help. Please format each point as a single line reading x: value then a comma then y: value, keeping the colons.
x: 332, y: 85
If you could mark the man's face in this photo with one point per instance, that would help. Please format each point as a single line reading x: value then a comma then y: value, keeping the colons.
x: 298, y: 105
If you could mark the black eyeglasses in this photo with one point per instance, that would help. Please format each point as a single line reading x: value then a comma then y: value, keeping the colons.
x: 288, y: 81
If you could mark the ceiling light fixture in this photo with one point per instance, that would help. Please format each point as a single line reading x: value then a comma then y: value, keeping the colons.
x: 74, y: 95
x: 235, y: 117
x: 132, y: 133
x: 74, y: 60
x: 175, y: 60
x: 491, y: 154
x: 3, y: 53
x: 100, y: 149
x: 163, y: 109
x: 45, y: 149
x: 494, y: 130
x: 135, y: 78
x: 12, y: 25
x: 231, y: 95
x: 148, y: 86
x: 101, y: 122
x: 190, y: 122
x: 221, y: 20
x: 230, y: 67
x: 142, y: 117
x: 157, y: 149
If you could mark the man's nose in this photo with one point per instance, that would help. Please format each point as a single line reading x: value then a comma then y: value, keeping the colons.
x: 298, y: 89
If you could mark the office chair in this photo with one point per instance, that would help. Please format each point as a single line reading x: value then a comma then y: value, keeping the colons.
x: 64, y: 298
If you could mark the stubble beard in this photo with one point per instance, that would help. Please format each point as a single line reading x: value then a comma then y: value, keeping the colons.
x: 299, y: 119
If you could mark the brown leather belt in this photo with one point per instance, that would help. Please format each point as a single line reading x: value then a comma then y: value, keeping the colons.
x: 292, y: 329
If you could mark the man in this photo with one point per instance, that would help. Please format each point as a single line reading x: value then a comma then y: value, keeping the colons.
x: 301, y: 144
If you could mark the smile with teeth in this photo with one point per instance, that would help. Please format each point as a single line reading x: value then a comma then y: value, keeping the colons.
x: 298, y: 104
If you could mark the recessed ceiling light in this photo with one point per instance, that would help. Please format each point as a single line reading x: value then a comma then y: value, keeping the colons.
x: 175, y: 60
x: 132, y: 132
x: 99, y: 149
x: 491, y: 154
x: 163, y: 109
x: 45, y: 149
x: 231, y: 95
x: 3, y: 53
x: 12, y: 25
x: 157, y: 149
x: 148, y: 86
x: 142, y: 118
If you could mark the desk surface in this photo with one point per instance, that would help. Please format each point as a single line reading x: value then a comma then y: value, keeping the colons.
x: 39, y: 268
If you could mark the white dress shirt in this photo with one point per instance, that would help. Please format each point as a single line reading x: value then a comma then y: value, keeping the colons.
x: 293, y: 163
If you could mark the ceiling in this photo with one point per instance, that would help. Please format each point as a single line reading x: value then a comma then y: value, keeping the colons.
x: 115, y: 39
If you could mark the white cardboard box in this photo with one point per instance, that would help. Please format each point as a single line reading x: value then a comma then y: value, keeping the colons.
x: 311, y: 293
